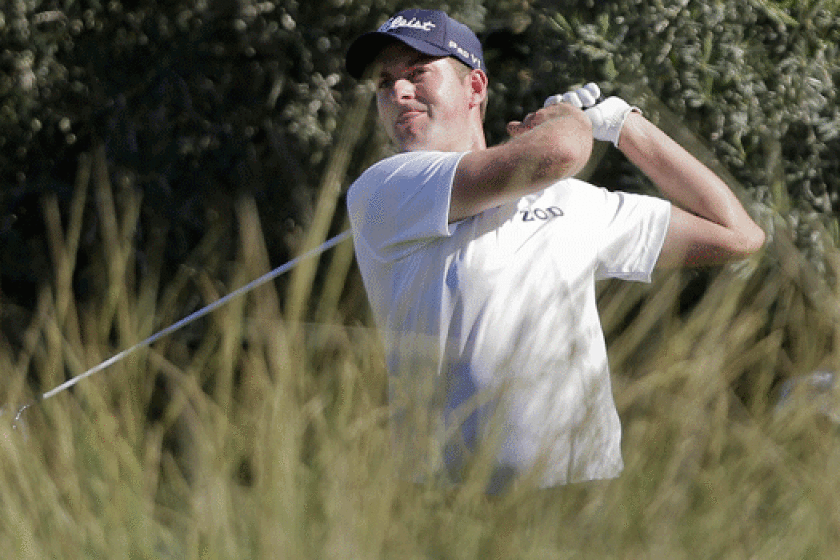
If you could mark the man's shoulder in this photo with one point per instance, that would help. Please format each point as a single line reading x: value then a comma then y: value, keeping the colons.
x: 410, y: 160
x: 403, y: 199
x: 405, y: 167
x: 393, y: 160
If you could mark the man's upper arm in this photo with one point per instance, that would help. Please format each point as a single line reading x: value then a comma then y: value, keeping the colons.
x: 695, y: 241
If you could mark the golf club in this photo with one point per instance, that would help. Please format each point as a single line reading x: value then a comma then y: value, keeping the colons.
x: 282, y: 269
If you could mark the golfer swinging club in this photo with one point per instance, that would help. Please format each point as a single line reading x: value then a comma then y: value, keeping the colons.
x: 480, y: 262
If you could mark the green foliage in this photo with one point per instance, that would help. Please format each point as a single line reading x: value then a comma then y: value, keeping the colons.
x: 755, y: 81
x: 198, y: 103
x: 195, y: 103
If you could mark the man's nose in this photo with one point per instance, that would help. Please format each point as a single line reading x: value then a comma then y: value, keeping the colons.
x: 403, y: 89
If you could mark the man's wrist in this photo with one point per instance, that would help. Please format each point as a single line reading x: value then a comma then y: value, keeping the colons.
x: 608, y: 118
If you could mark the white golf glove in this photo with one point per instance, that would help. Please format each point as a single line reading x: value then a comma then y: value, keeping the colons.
x: 607, y: 117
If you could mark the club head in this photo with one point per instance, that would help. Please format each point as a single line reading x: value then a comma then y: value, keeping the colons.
x: 17, y: 422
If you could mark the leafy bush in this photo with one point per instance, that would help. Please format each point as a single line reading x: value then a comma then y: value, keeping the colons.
x: 198, y: 103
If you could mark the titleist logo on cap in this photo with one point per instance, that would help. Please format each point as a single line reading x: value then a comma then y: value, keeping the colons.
x: 430, y: 32
x: 413, y: 23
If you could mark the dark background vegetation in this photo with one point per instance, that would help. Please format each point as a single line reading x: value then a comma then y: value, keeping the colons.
x: 197, y: 104
x: 138, y: 140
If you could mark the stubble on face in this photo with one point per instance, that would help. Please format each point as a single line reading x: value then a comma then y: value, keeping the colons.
x: 421, y: 99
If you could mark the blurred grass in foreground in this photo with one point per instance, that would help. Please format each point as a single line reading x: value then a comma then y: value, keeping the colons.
x: 271, y: 439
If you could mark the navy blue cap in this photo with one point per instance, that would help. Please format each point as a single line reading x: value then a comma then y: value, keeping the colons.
x: 431, y: 32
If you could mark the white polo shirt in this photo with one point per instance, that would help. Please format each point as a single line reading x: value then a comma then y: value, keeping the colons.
x: 490, y: 324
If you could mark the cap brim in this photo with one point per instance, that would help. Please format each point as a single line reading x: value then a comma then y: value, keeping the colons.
x: 366, y: 47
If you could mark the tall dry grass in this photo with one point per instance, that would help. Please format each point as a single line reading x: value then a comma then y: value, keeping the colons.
x: 255, y: 437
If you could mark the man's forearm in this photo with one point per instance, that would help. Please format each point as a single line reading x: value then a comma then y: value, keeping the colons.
x: 548, y: 145
x: 684, y: 180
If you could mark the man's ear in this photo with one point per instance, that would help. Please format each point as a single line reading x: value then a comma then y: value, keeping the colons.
x: 479, y: 84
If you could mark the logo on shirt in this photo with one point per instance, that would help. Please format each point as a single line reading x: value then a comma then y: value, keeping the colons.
x: 540, y: 214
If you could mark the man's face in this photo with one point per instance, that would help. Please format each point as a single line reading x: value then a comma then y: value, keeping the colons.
x: 423, y: 102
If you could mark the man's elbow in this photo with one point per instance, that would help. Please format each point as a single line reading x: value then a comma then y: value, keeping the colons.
x: 692, y: 241
x: 578, y: 147
x: 569, y: 155
x: 580, y: 154
x: 563, y: 145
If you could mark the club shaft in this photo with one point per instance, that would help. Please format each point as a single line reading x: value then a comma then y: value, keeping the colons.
x: 330, y: 243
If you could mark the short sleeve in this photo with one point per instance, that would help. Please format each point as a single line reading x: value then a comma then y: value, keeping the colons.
x: 632, y: 236
x: 402, y: 202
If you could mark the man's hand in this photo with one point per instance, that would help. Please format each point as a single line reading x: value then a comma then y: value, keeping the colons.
x: 607, y: 116
x: 583, y: 98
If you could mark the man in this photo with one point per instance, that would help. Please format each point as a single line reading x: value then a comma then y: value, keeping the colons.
x: 480, y: 262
